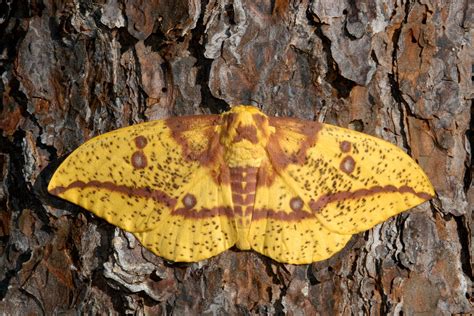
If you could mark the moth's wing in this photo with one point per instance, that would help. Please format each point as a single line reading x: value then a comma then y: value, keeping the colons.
x: 158, y: 180
x: 283, y: 226
x: 351, y: 181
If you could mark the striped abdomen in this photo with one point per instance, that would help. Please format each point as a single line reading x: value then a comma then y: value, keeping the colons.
x: 243, y: 182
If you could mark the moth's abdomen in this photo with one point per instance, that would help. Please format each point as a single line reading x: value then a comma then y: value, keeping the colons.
x: 243, y: 181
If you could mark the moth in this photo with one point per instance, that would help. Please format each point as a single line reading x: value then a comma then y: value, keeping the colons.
x: 191, y: 187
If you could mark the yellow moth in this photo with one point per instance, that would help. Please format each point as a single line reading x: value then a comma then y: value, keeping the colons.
x: 191, y: 187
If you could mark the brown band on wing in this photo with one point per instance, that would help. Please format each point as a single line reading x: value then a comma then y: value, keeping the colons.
x: 204, y: 213
x: 257, y: 214
x: 297, y: 215
x: 212, y: 154
x: 145, y: 192
x: 157, y: 195
x: 281, y: 159
x: 281, y: 215
x: 325, y: 199
x: 204, y: 124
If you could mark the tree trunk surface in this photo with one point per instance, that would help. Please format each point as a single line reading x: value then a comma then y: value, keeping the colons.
x: 71, y: 70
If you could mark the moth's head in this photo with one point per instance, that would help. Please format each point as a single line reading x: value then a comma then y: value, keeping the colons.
x: 245, y: 123
x: 245, y: 133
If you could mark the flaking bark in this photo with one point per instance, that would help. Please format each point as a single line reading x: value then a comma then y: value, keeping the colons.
x: 71, y: 70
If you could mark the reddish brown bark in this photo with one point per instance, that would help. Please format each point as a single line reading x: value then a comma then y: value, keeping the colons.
x: 73, y: 69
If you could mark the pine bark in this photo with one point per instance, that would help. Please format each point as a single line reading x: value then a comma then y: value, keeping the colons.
x: 397, y: 69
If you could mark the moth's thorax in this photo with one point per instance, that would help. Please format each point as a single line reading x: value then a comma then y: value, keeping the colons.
x: 244, y: 134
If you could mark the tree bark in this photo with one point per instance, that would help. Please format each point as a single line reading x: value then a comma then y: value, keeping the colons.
x: 70, y: 70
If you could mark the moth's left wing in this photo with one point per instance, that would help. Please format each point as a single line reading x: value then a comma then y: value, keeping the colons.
x: 159, y: 180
